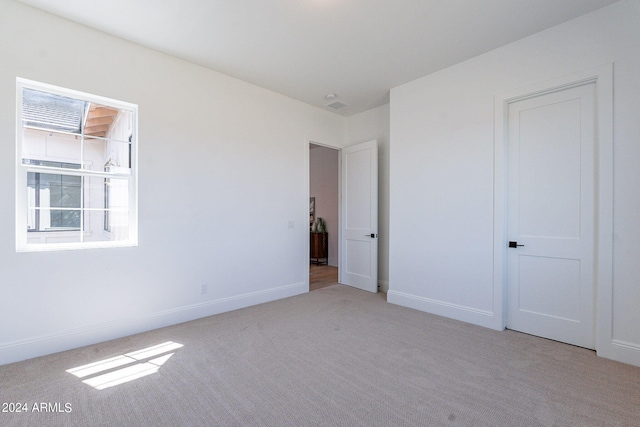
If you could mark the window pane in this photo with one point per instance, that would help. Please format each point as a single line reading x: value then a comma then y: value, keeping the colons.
x: 106, y: 209
x: 52, y: 112
x: 117, y: 208
x: 118, y: 194
x: 94, y: 154
x: 119, y: 158
x: 107, y: 155
x: 100, y: 118
x: 94, y: 208
x: 46, y: 146
x: 64, y: 191
x: 47, y: 219
x: 119, y: 230
x: 45, y: 193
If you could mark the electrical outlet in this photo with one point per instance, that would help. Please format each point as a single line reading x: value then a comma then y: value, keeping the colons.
x: 204, y: 289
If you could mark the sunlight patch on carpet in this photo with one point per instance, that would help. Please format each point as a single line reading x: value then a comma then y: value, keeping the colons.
x: 118, y: 370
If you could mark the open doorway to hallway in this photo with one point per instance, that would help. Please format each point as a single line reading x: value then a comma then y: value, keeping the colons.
x: 324, y: 188
x: 321, y: 276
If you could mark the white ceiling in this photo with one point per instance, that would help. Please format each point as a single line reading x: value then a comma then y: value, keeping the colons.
x: 305, y: 49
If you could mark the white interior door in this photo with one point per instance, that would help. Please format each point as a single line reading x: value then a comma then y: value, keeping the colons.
x: 359, y: 222
x: 551, y: 208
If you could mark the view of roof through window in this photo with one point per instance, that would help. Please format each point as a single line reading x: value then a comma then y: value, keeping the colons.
x: 59, y: 113
x: 53, y: 112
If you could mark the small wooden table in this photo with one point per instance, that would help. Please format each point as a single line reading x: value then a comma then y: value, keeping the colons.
x: 320, y: 248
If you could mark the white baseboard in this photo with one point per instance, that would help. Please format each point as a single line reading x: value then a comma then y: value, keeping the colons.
x: 617, y: 350
x: 36, y: 346
x: 445, y: 309
x: 621, y: 351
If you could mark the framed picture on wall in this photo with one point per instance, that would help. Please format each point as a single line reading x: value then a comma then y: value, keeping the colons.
x: 312, y: 210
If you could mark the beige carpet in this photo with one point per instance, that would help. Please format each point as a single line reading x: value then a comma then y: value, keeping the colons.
x: 332, y: 357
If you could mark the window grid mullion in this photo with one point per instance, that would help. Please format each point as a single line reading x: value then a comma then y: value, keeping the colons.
x: 76, y: 172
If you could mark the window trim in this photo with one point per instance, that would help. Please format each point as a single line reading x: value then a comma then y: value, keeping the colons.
x: 21, y: 171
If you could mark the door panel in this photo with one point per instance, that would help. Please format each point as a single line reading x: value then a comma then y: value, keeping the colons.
x: 551, y: 208
x: 549, y: 168
x: 548, y: 286
x: 359, y: 250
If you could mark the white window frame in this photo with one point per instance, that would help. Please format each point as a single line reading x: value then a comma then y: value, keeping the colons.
x: 22, y: 170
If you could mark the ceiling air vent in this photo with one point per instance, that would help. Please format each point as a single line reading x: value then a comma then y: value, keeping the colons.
x: 336, y: 105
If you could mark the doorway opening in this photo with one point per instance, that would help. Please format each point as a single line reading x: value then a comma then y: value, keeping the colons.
x: 324, y: 214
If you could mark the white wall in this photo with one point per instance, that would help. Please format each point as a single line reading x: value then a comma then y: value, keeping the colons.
x: 442, y: 170
x: 367, y: 126
x: 324, y: 186
x: 222, y: 177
